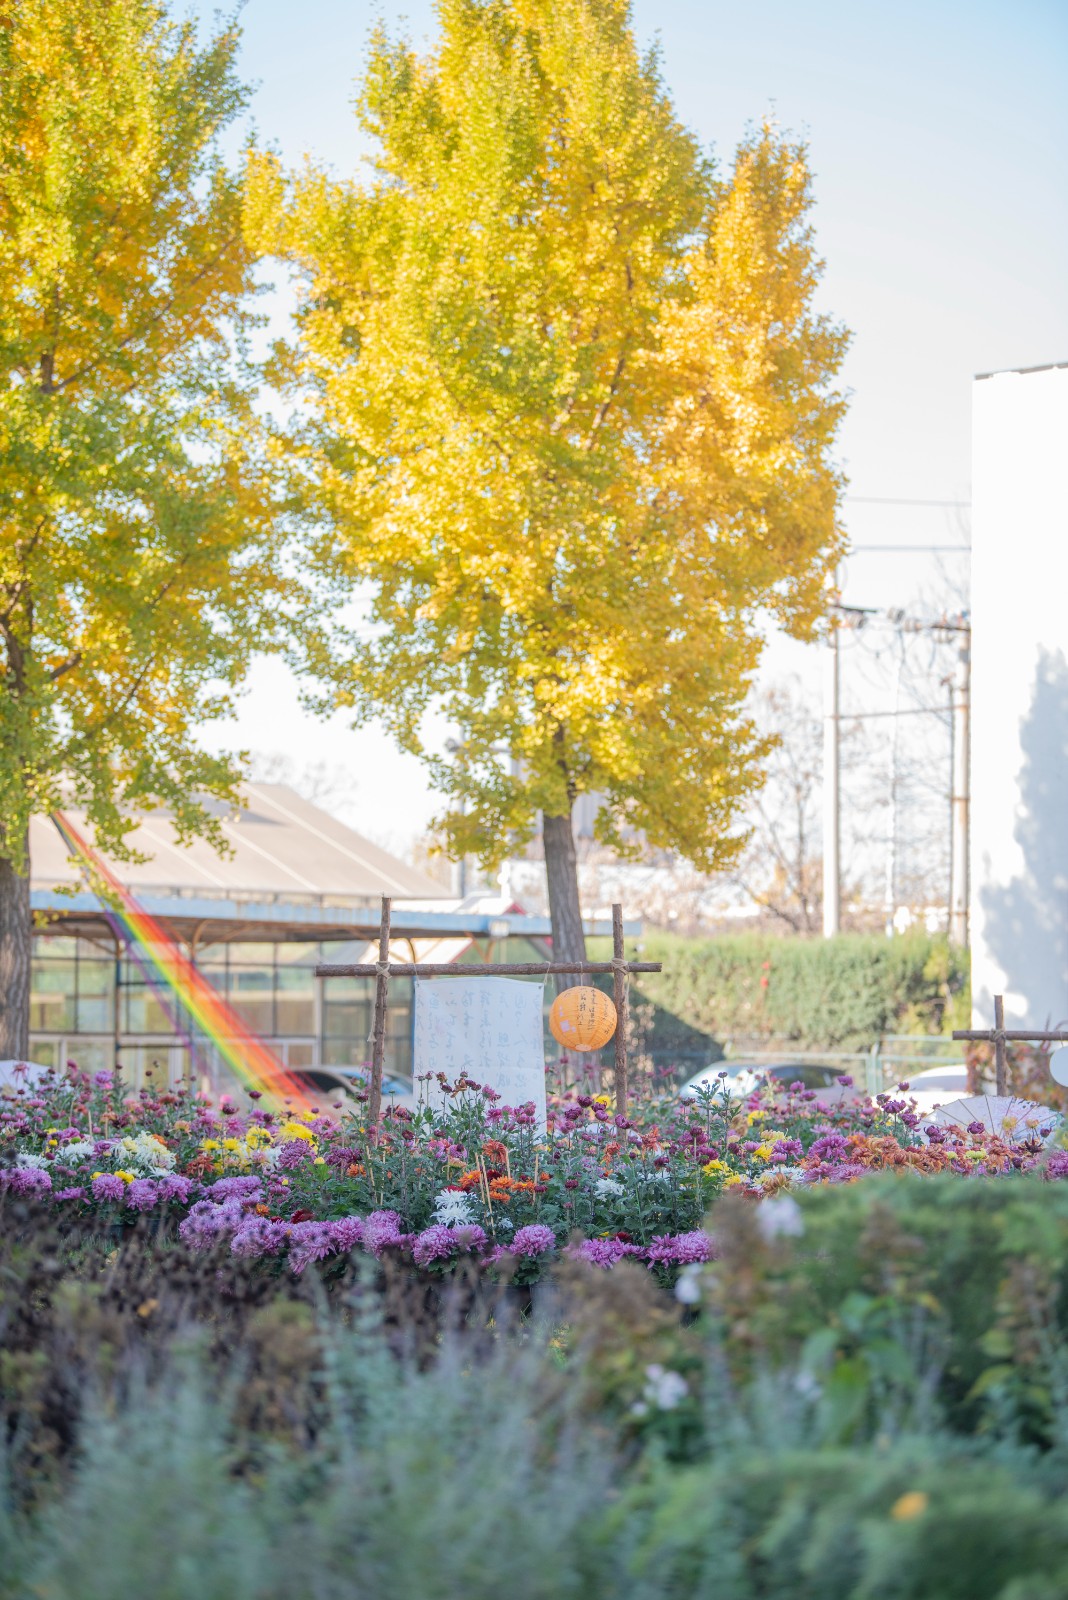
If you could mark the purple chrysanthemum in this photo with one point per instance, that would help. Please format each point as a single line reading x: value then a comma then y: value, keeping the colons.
x: 601, y: 1252
x: 470, y: 1237
x: 833, y: 1147
x: 844, y: 1172
x: 175, y: 1187
x: 259, y: 1236
x: 108, y: 1188
x: 435, y: 1243
x: 309, y: 1241
x: 142, y: 1194
x: 77, y: 1192
x: 381, y: 1229
x: 208, y: 1222
x: 293, y: 1153
x: 347, y: 1232
x: 26, y: 1180
x: 246, y: 1188
x: 787, y: 1150
x: 533, y: 1240
x: 341, y: 1156
x: 680, y: 1249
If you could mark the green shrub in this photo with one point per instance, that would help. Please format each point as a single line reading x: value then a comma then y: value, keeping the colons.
x: 820, y: 993
x: 918, y: 1522
x: 903, y: 1292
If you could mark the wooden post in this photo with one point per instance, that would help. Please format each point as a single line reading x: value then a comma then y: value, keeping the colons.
x: 384, y: 969
x: 1001, y: 1074
x: 378, y: 1046
x: 619, y: 986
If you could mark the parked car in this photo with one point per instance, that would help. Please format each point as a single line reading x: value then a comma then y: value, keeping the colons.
x: 351, y: 1080
x: 936, y: 1086
x: 742, y: 1077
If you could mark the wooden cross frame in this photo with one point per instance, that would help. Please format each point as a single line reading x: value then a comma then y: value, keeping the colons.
x: 999, y: 1035
x: 384, y: 969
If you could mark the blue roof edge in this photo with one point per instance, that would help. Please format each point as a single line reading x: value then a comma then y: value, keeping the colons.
x: 428, y: 923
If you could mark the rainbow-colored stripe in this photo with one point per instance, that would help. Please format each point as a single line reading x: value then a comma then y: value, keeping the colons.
x: 177, y: 982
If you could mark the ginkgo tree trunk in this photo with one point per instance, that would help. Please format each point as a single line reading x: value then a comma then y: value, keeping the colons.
x: 139, y: 545
x: 567, y: 414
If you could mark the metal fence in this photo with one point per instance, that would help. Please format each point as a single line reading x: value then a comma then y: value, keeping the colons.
x: 891, y: 1059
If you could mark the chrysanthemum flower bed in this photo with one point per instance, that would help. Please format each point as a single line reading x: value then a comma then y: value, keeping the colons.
x: 475, y: 1180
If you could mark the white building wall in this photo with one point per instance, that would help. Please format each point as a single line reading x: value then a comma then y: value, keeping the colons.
x: 1019, y: 839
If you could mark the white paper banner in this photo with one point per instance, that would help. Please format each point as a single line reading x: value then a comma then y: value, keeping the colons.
x: 489, y: 1028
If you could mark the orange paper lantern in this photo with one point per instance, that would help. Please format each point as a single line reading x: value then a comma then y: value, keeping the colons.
x: 583, y: 1018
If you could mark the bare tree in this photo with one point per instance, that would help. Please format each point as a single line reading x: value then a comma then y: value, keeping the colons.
x: 323, y: 783
x: 780, y: 870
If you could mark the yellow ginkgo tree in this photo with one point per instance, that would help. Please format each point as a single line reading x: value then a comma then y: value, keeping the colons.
x: 140, y: 548
x: 567, y: 413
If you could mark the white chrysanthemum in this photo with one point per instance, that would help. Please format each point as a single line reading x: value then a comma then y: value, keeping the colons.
x: 664, y: 1388
x: 606, y: 1187
x: 77, y: 1150
x: 688, y: 1285
x: 150, y: 1154
x: 26, y: 1158
x: 452, y: 1209
x: 781, y: 1218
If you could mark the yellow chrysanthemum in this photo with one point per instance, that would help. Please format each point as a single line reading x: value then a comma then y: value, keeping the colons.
x: 712, y: 1169
x: 297, y: 1130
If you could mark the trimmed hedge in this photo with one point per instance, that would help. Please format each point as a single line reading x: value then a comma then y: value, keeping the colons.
x: 812, y: 993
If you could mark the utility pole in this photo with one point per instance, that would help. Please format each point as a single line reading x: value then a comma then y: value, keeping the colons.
x: 831, y: 787
x: 890, y: 891
x: 960, y: 700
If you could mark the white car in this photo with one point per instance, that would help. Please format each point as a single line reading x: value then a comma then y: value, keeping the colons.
x: 937, y: 1086
x: 742, y: 1077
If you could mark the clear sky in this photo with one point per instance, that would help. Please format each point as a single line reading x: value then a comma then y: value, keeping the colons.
x: 938, y: 133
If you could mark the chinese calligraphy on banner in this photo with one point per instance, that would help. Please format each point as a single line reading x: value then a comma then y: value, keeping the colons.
x: 489, y: 1028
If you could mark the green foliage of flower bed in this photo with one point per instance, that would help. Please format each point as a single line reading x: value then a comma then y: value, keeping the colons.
x: 513, y: 1466
x: 912, y: 1290
x: 831, y: 993
x: 850, y: 1384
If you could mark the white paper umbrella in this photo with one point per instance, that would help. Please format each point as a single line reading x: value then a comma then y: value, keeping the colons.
x: 1058, y: 1067
x: 1004, y: 1115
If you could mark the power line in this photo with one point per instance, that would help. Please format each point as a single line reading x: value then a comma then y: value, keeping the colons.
x: 884, y: 500
x: 907, y: 711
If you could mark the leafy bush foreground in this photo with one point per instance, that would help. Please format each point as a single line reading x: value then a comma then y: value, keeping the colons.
x: 863, y: 1396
